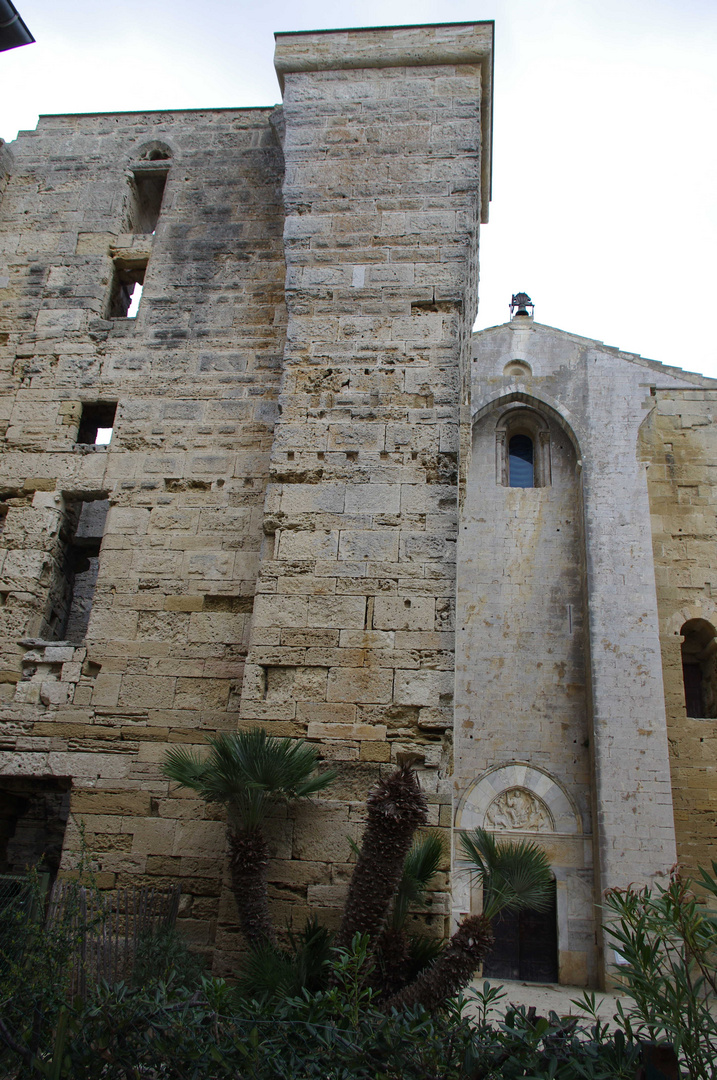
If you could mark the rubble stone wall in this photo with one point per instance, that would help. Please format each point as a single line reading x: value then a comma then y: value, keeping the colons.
x: 195, y: 378
x: 359, y: 203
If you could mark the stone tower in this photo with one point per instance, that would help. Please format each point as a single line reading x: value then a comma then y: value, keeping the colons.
x: 268, y: 537
x: 256, y: 469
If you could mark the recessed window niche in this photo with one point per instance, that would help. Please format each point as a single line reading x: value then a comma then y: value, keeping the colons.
x: 517, y: 369
x: 522, y: 449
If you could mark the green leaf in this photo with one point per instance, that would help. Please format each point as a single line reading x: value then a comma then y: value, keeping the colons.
x: 514, y: 874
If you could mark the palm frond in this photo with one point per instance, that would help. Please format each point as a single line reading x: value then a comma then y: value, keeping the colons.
x: 423, y: 951
x: 245, y: 769
x: 419, y: 867
x: 268, y: 970
x: 514, y: 874
x: 186, y: 767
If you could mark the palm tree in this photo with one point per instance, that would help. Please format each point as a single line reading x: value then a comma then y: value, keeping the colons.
x: 395, y: 809
x: 514, y: 875
x: 247, y: 771
x: 401, y: 956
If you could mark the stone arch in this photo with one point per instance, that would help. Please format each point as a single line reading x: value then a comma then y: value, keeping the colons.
x: 702, y: 607
x: 515, y: 369
x: 554, y: 822
x: 539, y: 802
x: 153, y: 150
x: 561, y: 416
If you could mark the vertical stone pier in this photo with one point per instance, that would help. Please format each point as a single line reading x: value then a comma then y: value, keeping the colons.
x: 387, y: 152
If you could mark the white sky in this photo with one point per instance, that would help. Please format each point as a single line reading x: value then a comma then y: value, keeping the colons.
x: 605, y: 155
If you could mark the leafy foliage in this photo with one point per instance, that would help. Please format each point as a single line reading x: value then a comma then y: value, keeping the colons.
x: 514, y: 874
x: 164, y: 956
x: 246, y: 771
x: 668, y: 941
x: 167, y: 1030
x: 274, y: 972
x: 419, y: 868
x: 522, y: 1044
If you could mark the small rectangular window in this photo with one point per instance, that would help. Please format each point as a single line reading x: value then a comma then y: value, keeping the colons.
x: 97, y: 423
x: 147, y: 193
x: 126, y: 293
x: 75, y: 573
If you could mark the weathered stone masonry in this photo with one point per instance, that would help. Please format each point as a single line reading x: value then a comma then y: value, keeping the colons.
x: 351, y: 641
x: 195, y: 378
x: 352, y: 634
x: 304, y: 516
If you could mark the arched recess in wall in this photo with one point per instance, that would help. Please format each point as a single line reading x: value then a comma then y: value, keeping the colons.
x: 699, y: 668
x: 518, y: 797
x: 521, y: 694
x: 147, y: 178
x: 543, y: 408
x: 153, y: 150
x: 522, y: 802
x: 694, y: 630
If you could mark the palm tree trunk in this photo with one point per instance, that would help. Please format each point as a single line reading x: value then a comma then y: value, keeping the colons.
x: 396, y: 807
x: 394, y: 960
x: 248, y: 860
x: 452, y: 971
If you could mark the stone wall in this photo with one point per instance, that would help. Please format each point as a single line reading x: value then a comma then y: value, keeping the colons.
x: 352, y: 635
x: 195, y: 379
x: 385, y: 166
x: 680, y: 443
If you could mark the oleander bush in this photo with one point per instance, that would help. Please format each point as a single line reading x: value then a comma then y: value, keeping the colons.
x: 666, y: 937
x: 197, y: 1028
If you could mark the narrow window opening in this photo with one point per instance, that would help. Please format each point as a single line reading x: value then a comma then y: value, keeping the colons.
x: 97, y: 423
x: 146, y: 202
x: 76, y: 569
x: 699, y: 668
x: 126, y: 291
x: 134, y: 299
x: 520, y: 462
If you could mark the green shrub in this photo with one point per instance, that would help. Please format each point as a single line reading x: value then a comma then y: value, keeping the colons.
x: 165, y: 955
x: 166, y: 1030
x: 667, y: 939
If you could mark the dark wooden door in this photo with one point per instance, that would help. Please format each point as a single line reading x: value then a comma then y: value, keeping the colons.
x: 526, y: 945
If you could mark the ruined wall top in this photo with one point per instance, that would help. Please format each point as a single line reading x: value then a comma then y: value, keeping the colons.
x: 387, y: 46
x: 439, y: 45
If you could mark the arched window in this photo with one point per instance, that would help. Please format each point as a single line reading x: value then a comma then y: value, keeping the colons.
x: 521, y: 472
x: 522, y: 449
x: 699, y: 668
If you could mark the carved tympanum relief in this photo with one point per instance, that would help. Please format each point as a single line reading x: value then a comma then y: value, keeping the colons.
x: 518, y: 808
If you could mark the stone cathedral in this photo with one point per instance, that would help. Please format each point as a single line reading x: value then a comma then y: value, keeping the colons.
x: 257, y: 469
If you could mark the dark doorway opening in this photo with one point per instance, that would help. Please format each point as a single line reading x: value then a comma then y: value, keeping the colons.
x: 33, y: 818
x: 526, y: 945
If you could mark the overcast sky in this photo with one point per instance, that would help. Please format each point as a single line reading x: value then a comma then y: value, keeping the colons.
x: 605, y: 155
